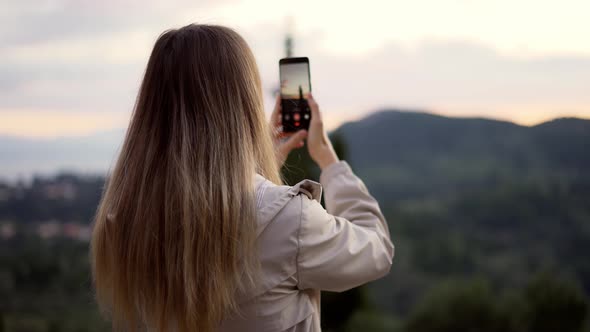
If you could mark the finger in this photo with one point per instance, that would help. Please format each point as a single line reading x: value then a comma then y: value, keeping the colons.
x: 277, y: 132
x: 293, y: 142
x: 283, y: 134
x: 315, y: 109
x: 275, y: 118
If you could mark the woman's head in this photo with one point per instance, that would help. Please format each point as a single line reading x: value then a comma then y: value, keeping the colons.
x: 174, y: 235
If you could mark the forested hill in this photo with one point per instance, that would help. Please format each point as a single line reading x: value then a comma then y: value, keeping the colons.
x: 409, y: 154
x: 467, y: 197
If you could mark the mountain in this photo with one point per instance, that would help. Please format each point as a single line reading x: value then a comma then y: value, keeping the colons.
x: 411, y: 154
x: 468, y: 197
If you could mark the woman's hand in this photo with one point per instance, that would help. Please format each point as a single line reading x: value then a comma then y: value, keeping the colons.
x: 318, y: 144
x: 293, y: 140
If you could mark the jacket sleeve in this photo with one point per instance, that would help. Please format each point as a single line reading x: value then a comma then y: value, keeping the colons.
x: 346, y: 245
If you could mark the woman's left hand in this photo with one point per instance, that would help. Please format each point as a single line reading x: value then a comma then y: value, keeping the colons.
x: 284, y: 142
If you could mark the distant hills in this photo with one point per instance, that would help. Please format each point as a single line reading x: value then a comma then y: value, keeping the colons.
x: 475, y: 198
x: 405, y: 154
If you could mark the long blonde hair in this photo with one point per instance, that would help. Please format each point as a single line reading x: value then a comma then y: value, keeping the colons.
x: 174, y: 236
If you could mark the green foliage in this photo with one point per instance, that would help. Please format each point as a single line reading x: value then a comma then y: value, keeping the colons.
x: 338, y: 308
x: 546, y: 304
x: 65, y: 198
x: 555, y: 306
x: 469, y: 306
x: 372, y: 321
x: 46, y: 286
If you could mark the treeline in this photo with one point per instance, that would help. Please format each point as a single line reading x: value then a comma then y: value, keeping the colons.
x: 46, y: 286
x: 63, y: 198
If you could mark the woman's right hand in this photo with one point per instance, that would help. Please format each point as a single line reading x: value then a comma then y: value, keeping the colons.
x: 318, y: 144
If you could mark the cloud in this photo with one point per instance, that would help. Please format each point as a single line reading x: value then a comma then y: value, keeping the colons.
x: 80, y: 55
x: 88, y: 56
x: 32, y: 21
x: 452, y: 73
x: 451, y: 77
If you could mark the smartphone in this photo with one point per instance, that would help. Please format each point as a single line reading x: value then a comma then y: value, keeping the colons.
x: 295, y: 89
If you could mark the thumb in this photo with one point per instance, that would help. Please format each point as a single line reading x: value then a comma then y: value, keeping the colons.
x: 315, y: 109
x: 295, y: 141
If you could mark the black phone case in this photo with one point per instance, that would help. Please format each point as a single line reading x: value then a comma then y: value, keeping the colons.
x: 295, y: 117
x: 296, y: 113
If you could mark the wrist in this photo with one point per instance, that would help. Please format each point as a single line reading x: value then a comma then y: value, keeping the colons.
x: 327, y: 159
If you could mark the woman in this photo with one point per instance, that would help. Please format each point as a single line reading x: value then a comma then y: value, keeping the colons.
x: 195, y: 231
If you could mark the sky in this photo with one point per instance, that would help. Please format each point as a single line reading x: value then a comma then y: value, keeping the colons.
x: 71, y: 68
x: 293, y: 76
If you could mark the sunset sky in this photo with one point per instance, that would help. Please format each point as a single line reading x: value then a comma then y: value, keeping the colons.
x: 293, y: 76
x: 71, y: 68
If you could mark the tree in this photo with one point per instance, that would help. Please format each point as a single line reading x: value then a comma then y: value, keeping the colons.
x: 554, y: 305
x: 459, y: 306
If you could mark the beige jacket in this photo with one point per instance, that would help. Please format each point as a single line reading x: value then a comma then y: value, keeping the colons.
x: 304, y: 249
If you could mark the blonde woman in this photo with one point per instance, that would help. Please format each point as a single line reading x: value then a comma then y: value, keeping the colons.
x: 195, y: 231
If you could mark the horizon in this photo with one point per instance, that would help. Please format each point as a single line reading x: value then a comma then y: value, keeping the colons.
x: 94, y: 154
x: 331, y: 126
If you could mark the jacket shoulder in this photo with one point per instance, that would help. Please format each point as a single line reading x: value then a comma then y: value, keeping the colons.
x: 272, y: 198
x: 310, y: 188
x: 279, y: 216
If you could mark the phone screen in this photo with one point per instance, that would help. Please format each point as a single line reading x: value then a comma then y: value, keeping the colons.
x: 295, y: 89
